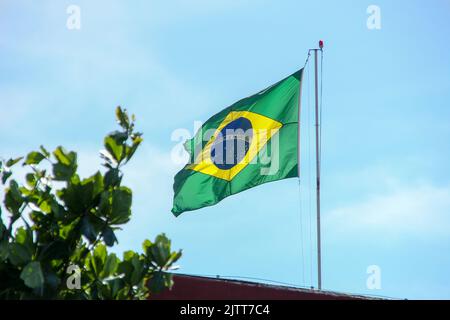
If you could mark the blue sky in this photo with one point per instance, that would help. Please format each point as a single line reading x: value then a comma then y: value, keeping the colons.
x: 386, y: 126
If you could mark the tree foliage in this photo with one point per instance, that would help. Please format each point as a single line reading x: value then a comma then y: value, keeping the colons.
x: 58, y: 226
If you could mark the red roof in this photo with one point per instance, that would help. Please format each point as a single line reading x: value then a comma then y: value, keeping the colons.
x: 188, y: 287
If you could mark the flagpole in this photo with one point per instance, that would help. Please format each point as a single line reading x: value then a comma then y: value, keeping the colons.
x: 319, y: 251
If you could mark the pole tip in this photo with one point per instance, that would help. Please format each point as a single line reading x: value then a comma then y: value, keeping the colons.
x: 321, y: 44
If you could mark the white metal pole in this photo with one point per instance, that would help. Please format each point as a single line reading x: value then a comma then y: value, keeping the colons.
x: 319, y: 253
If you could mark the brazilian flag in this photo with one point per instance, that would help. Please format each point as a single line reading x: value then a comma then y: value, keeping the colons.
x: 251, y: 142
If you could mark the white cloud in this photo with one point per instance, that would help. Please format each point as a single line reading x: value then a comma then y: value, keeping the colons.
x: 421, y: 211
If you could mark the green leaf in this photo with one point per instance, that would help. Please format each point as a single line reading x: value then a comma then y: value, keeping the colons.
x: 62, y: 172
x: 159, y: 281
x: 31, y: 179
x: 32, y: 275
x: 160, y: 251
x: 112, y: 178
x: 2, y: 229
x: 100, y: 252
x: 79, y: 197
x: 104, y: 206
x: 122, y: 118
x: 72, y: 196
x: 146, y: 245
x: 128, y: 255
x: 5, y: 175
x: 174, y: 256
x: 116, y: 285
x: 52, y: 279
x: 138, y: 272
x: 88, y: 230
x: 110, y: 267
x: 13, y: 198
x: 126, y: 269
x: 109, y: 237
x: 64, y: 157
x: 136, y: 142
x: 46, y: 206
x: 54, y: 250
x: 114, y: 148
x: 66, y: 166
x: 57, y: 210
x: 25, y: 238
x: 4, y: 245
x: 34, y: 158
x: 70, y: 230
x: 131, y: 267
x: 12, y: 162
x: 119, y: 136
x: 18, y: 254
x: 98, y: 258
x: 44, y: 151
x: 91, y: 188
x: 121, y: 205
